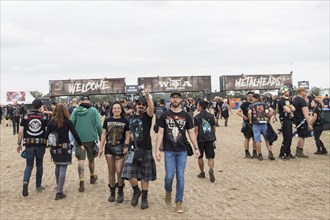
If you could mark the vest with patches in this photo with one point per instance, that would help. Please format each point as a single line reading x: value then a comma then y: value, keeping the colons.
x: 260, y: 113
x: 35, y: 124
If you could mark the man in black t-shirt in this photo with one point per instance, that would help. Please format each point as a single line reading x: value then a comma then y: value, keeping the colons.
x: 173, y: 125
x: 140, y: 125
x: 286, y: 109
x: 301, y: 119
x: 246, y: 126
x: 205, y: 133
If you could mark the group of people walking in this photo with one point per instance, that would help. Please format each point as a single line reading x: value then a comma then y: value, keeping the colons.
x: 124, y: 140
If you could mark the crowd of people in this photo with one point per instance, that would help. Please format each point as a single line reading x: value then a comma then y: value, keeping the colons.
x: 120, y: 131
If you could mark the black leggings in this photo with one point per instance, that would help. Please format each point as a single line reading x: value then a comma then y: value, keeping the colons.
x: 318, y: 129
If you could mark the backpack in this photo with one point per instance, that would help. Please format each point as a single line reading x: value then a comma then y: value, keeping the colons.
x: 324, y: 117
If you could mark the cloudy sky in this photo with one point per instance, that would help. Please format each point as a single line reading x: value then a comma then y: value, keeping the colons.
x: 52, y: 40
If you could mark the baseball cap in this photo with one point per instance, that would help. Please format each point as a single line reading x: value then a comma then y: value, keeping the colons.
x: 37, y: 103
x: 175, y: 92
x: 85, y: 97
x: 141, y: 100
x: 256, y: 95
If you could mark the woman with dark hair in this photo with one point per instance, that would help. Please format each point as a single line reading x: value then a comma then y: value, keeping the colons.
x: 116, y: 134
x: 58, y: 131
x: 317, y: 127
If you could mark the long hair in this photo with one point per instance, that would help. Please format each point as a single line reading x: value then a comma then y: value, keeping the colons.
x: 59, y: 114
x: 122, y: 114
x: 318, y: 103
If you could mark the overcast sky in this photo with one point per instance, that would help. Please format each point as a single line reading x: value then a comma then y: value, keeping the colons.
x: 53, y: 40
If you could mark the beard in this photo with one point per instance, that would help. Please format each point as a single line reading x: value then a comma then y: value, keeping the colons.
x: 175, y: 104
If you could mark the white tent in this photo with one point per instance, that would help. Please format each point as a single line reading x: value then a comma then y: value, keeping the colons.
x: 9, y: 97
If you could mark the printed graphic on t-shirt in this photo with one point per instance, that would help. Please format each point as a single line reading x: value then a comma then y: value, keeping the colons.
x: 115, y: 132
x: 137, y: 128
x: 207, y: 129
x: 260, y: 113
x: 173, y: 131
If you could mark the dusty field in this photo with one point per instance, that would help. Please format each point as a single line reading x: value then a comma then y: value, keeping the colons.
x: 244, y: 188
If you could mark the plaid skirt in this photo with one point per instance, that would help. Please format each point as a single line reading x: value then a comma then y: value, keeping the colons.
x: 146, y: 170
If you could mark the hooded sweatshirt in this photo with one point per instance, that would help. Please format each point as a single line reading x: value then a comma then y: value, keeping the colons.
x: 87, y: 122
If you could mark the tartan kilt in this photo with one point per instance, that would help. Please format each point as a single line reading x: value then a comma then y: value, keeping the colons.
x: 146, y: 170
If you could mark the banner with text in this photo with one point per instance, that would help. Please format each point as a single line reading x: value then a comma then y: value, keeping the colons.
x: 255, y: 82
x: 86, y: 86
x: 180, y: 83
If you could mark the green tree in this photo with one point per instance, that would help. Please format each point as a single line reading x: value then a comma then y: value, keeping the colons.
x: 315, y: 91
x: 36, y: 94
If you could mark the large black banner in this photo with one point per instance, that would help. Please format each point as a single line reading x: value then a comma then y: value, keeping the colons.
x: 180, y: 83
x: 255, y: 82
x: 86, y: 86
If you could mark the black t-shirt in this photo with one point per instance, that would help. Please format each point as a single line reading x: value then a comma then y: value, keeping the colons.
x: 299, y: 102
x: 245, y: 106
x: 63, y: 133
x: 281, y: 103
x: 140, y: 125
x: 116, y: 128
x: 205, y: 122
x: 71, y: 108
x: 173, y: 139
x: 317, y: 111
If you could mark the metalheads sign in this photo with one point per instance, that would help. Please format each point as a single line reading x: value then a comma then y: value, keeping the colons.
x: 180, y: 83
x: 86, y: 86
x: 255, y: 82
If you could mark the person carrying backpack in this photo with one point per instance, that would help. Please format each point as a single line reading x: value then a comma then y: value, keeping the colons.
x: 317, y: 124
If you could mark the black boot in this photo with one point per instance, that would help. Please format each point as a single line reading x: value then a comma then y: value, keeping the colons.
x: 136, y: 195
x: 120, y: 194
x: 112, y: 193
x: 144, y: 201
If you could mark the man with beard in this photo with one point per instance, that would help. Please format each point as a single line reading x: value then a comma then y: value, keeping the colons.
x: 286, y: 110
x: 144, y: 170
x: 87, y: 122
x: 173, y: 125
x: 247, y: 128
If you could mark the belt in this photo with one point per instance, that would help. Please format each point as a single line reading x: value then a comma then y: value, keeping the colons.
x: 35, y: 141
x: 64, y: 145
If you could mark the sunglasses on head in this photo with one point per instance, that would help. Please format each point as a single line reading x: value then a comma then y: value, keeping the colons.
x: 143, y: 104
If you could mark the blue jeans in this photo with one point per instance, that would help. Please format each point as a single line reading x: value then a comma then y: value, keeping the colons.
x: 31, y: 153
x: 259, y: 129
x: 175, y: 162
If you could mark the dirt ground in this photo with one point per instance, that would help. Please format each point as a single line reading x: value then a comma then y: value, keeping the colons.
x: 244, y: 188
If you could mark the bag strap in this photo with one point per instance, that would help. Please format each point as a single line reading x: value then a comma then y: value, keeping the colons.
x: 134, y: 130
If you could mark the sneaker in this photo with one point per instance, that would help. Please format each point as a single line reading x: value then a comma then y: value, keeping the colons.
x: 178, y: 207
x: 201, y: 175
x: 81, y: 186
x: 40, y: 188
x: 211, y: 174
x: 284, y: 157
x: 60, y: 196
x: 93, y: 179
x: 25, y: 192
x: 135, y: 198
x: 168, y: 198
x: 271, y: 156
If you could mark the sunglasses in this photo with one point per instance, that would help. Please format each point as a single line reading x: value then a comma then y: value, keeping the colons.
x: 143, y: 104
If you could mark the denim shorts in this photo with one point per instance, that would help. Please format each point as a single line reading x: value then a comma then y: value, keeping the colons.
x: 259, y: 129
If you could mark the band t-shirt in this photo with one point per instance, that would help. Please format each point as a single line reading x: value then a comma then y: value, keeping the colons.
x: 205, y: 122
x: 140, y: 125
x: 173, y: 139
x: 116, y: 128
x: 281, y: 103
x: 299, y: 102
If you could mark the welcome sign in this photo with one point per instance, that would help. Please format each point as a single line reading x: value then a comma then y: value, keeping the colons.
x: 86, y: 87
